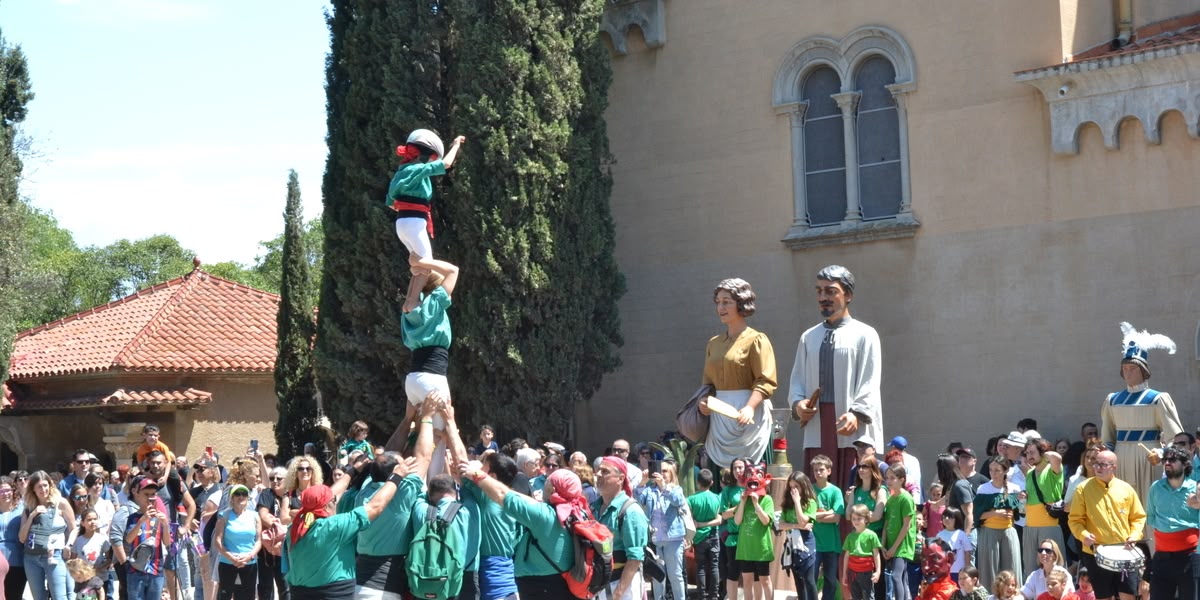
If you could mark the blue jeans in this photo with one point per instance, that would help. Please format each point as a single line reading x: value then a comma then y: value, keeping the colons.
x: 48, y: 576
x: 829, y: 563
x: 672, y: 555
x: 143, y: 586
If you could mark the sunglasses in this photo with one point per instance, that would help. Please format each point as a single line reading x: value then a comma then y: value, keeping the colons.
x: 1045, y: 551
x: 303, y: 469
x: 620, y: 450
x: 273, y: 478
x: 79, y: 498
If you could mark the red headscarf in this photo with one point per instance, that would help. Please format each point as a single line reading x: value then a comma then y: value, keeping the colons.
x: 566, y: 493
x: 314, y: 504
x: 622, y: 466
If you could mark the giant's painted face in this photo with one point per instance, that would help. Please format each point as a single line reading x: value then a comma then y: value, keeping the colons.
x: 936, y: 561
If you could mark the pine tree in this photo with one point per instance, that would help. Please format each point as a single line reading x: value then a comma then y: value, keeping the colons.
x: 524, y: 212
x: 294, y: 387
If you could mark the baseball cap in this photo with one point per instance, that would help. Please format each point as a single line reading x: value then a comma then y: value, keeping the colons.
x: 1016, y: 438
x: 148, y: 483
x: 239, y: 489
x: 899, y: 442
x: 966, y: 452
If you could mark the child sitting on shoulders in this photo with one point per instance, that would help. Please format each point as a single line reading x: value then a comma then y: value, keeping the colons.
x: 150, y: 443
x: 357, y: 440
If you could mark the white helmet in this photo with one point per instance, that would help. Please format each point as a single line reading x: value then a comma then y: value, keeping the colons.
x: 427, y: 139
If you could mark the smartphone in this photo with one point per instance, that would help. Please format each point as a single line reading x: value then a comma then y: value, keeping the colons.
x: 254, y: 445
x: 655, y: 466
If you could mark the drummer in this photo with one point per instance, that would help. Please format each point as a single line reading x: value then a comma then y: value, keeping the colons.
x: 1107, y: 511
x: 1171, y: 508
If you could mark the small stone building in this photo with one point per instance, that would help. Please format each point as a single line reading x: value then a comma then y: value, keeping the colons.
x: 194, y: 355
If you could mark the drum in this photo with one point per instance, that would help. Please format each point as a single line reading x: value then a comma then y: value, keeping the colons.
x: 1119, y: 559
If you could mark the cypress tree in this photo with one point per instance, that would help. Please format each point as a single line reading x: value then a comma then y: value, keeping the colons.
x: 294, y: 387
x: 383, y: 79
x: 535, y: 310
x: 15, y: 94
x: 524, y: 213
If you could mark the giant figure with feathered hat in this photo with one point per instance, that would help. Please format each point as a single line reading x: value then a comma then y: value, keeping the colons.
x: 1134, y: 420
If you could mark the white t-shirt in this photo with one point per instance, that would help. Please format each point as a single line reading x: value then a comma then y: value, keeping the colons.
x: 1035, y: 584
x: 960, y: 543
x: 93, y: 549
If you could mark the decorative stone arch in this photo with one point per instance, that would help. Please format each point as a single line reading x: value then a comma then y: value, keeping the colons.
x: 649, y: 16
x: 14, y: 432
x: 844, y: 56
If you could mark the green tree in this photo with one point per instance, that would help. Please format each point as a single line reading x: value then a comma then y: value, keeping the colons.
x: 15, y: 94
x: 525, y: 212
x: 294, y: 387
x: 536, y: 320
x: 383, y: 79
x: 269, y: 265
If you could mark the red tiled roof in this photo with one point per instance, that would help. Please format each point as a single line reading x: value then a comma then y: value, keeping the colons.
x: 1172, y: 33
x: 120, y: 398
x: 196, y: 323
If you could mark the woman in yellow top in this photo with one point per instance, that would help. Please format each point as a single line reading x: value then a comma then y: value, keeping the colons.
x: 740, y: 364
x: 997, y: 507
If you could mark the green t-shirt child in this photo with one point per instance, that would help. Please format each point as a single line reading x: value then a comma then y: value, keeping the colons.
x: 754, y: 537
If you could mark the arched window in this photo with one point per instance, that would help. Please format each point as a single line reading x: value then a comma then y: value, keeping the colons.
x: 878, y: 140
x: 845, y: 100
x: 825, y: 149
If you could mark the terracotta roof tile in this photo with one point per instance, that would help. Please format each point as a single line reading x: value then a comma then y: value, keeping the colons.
x: 173, y: 396
x: 1174, y: 33
x: 197, y: 322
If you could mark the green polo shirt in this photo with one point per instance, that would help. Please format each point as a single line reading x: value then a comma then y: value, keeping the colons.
x: 497, y: 531
x: 388, y: 535
x: 629, y: 536
x: 428, y: 325
x: 705, y: 506
x: 412, y: 179
x: 325, y: 554
x: 540, y: 522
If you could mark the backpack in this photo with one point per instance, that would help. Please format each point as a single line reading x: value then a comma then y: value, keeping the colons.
x: 593, y: 543
x: 435, y: 559
x: 653, y: 565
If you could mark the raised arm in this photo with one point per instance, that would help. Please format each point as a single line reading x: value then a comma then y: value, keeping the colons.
x: 424, y: 449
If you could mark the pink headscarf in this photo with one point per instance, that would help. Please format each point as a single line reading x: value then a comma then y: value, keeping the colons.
x: 622, y: 466
x: 566, y: 493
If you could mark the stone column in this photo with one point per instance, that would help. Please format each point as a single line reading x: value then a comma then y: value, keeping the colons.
x: 900, y: 92
x: 122, y: 439
x: 848, y: 102
x: 795, y: 112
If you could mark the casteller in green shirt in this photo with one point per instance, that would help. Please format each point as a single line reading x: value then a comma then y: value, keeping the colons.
x: 540, y: 523
x: 325, y: 554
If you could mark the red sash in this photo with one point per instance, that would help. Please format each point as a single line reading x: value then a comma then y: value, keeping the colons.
x: 861, y: 564
x: 424, y: 208
x: 1175, y: 541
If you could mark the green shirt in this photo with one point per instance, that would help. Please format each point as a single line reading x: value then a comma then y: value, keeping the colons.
x: 428, y: 324
x: 1049, y: 488
x: 413, y: 179
x: 325, y: 554
x: 540, y: 523
x: 705, y: 506
x: 829, y: 539
x: 867, y: 498
x: 754, y: 537
x: 861, y: 544
x: 388, y: 534
x: 730, y: 497
x: 897, y: 508
x: 498, y: 531
x: 630, y: 533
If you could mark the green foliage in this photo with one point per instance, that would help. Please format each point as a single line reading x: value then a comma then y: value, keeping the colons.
x: 15, y: 94
x: 294, y: 387
x: 685, y: 455
x: 524, y: 213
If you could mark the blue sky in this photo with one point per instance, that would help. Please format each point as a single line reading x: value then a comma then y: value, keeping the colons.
x: 173, y: 116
